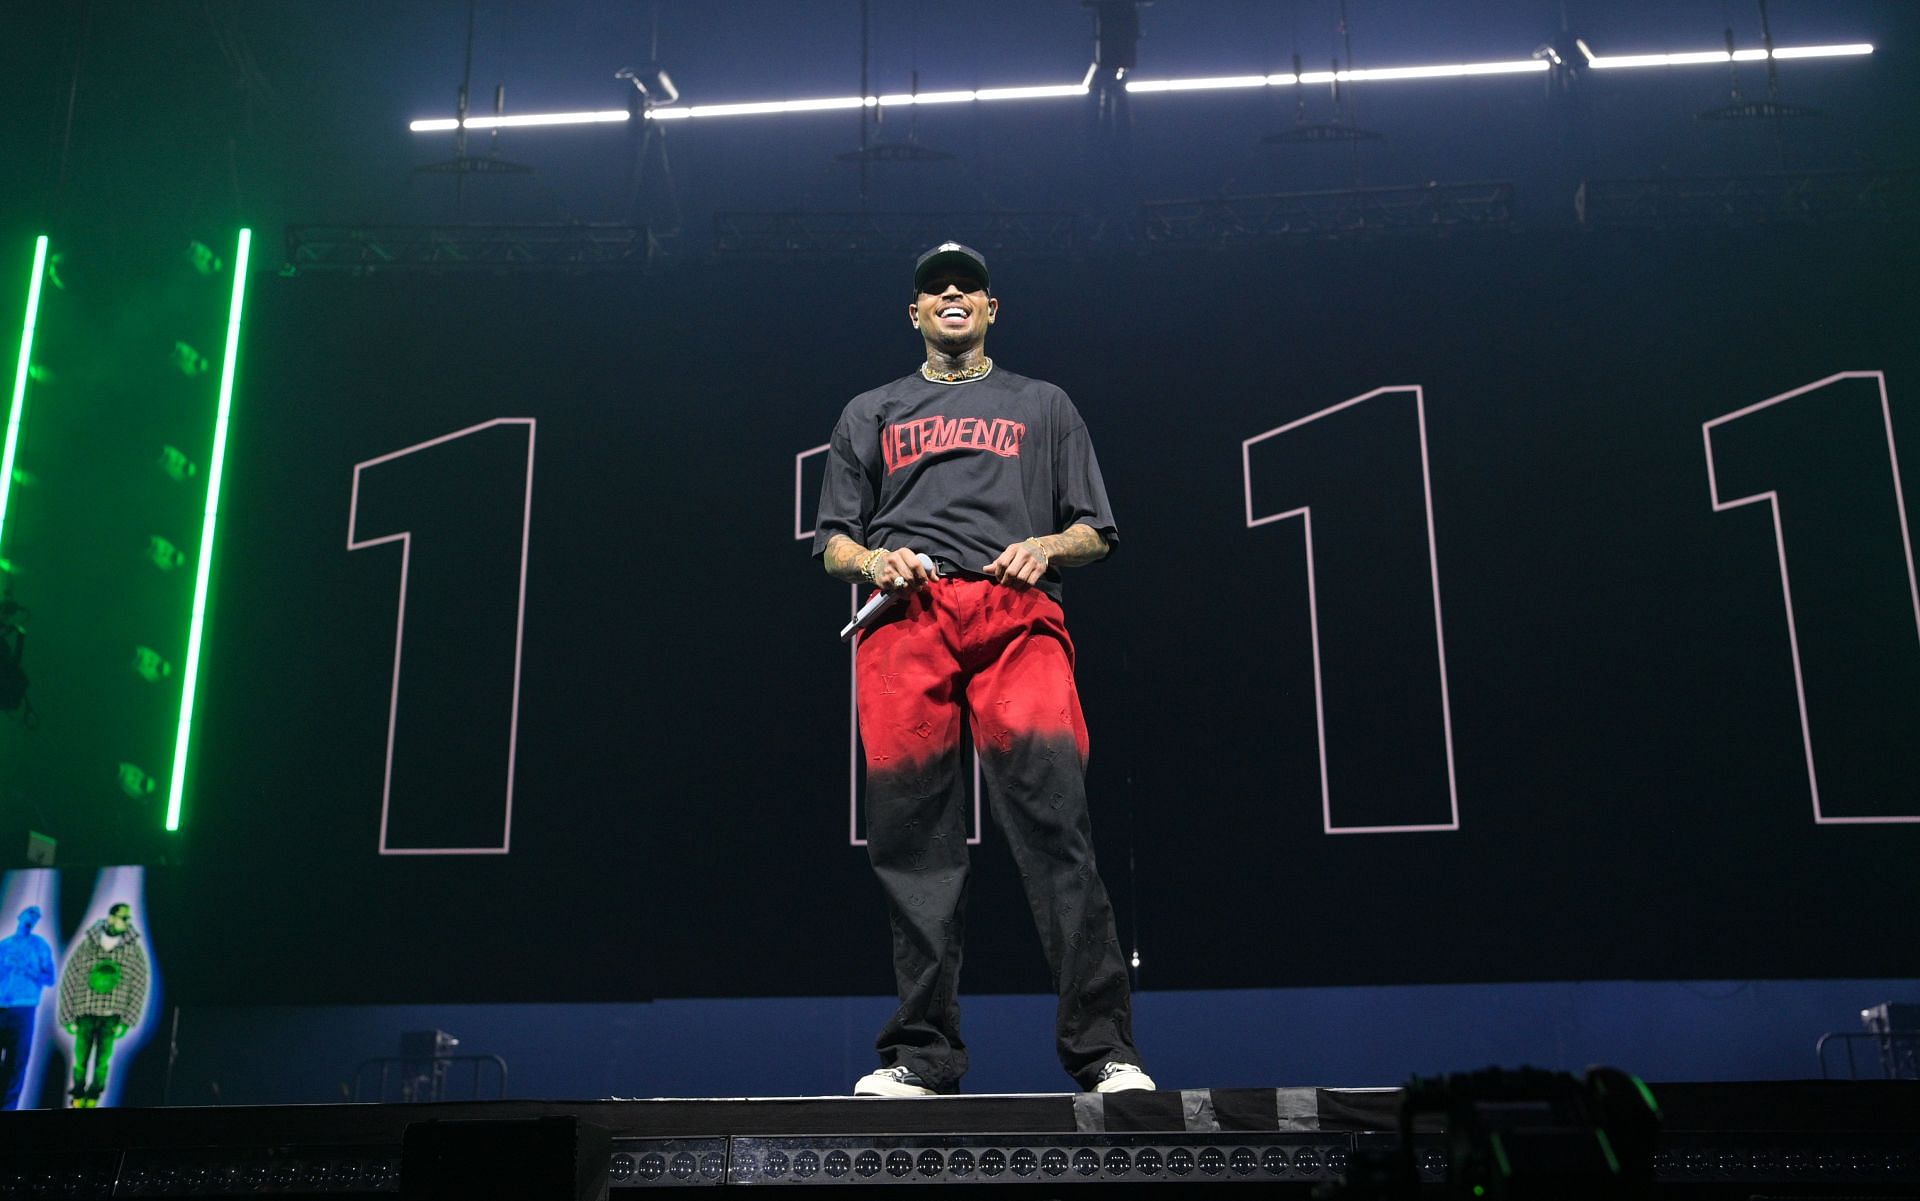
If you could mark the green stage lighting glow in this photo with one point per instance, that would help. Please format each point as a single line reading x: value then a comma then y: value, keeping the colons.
x: 20, y: 379
x: 217, y: 461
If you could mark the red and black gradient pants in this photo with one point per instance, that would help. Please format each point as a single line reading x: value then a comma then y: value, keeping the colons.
x: 1002, y: 655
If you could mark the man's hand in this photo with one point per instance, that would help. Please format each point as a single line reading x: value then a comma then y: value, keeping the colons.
x: 119, y: 1029
x: 73, y: 1028
x: 893, y: 570
x: 1020, y: 565
x: 900, y: 570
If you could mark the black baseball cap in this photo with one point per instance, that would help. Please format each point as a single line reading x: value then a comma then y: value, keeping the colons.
x: 949, y: 255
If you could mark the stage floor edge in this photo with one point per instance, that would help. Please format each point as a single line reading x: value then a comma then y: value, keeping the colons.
x: 1787, y: 1138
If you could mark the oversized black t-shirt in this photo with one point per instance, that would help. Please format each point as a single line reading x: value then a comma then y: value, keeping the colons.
x: 961, y: 471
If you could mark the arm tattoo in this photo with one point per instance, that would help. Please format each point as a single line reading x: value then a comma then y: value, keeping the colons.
x: 1076, y: 545
x: 842, y: 559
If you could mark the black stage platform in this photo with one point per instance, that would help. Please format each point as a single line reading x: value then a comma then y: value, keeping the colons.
x: 1802, y: 1139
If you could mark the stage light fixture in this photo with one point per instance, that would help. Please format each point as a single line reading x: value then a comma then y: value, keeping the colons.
x: 216, y: 465
x: 188, y: 361
x: 12, y: 444
x: 1527, y: 66
x: 203, y: 260
x: 177, y: 466
x: 135, y: 782
x: 164, y: 554
x: 150, y: 665
x: 652, y: 82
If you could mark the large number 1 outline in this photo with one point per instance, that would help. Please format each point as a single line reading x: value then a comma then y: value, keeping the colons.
x: 1305, y: 513
x: 801, y: 533
x: 1771, y: 497
x: 405, y: 539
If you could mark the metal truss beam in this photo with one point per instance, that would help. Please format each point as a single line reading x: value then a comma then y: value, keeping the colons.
x: 1359, y: 213
x: 362, y: 249
x: 1797, y: 197
x: 863, y: 234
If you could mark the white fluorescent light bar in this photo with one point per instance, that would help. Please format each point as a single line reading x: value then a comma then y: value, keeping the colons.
x: 613, y: 114
x: 1851, y: 48
x: 776, y: 106
x: 1039, y: 93
x: 1048, y: 91
x: 1197, y: 85
x: 926, y: 98
x: 1525, y: 66
x: 1455, y: 71
x: 440, y: 124
x: 1605, y: 61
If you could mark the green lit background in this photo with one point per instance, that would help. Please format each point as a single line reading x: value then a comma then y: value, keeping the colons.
x: 123, y: 390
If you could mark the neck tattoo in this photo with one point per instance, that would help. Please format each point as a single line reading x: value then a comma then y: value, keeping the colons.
x: 957, y: 377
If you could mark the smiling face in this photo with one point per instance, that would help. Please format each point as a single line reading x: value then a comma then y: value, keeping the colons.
x: 952, y: 311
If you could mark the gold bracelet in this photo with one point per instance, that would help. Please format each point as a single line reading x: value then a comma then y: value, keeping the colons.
x: 1046, y: 557
x: 866, y: 564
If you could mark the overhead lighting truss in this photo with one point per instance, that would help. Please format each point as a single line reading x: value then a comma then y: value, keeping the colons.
x: 1357, y: 213
x: 362, y: 249
x: 1787, y: 198
x: 1528, y: 66
x: 859, y: 234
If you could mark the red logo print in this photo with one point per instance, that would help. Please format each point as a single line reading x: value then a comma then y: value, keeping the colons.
x: 908, y: 441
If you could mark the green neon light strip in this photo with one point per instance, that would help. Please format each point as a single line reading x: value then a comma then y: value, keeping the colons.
x: 20, y: 381
x: 176, y: 792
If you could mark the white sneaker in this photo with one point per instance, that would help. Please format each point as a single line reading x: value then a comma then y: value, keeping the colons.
x: 1122, y: 1078
x: 896, y: 1081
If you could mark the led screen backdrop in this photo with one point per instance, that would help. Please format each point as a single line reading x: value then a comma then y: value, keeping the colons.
x: 81, y: 997
x: 1520, y: 607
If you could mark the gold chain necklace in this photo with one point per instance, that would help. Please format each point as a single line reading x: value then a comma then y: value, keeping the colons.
x: 957, y: 377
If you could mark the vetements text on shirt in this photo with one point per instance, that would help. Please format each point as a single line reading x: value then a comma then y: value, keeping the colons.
x: 908, y: 441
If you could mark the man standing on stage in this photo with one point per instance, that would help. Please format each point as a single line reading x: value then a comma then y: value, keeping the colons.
x: 992, y: 477
x: 26, y: 969
x: 103, y: 991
